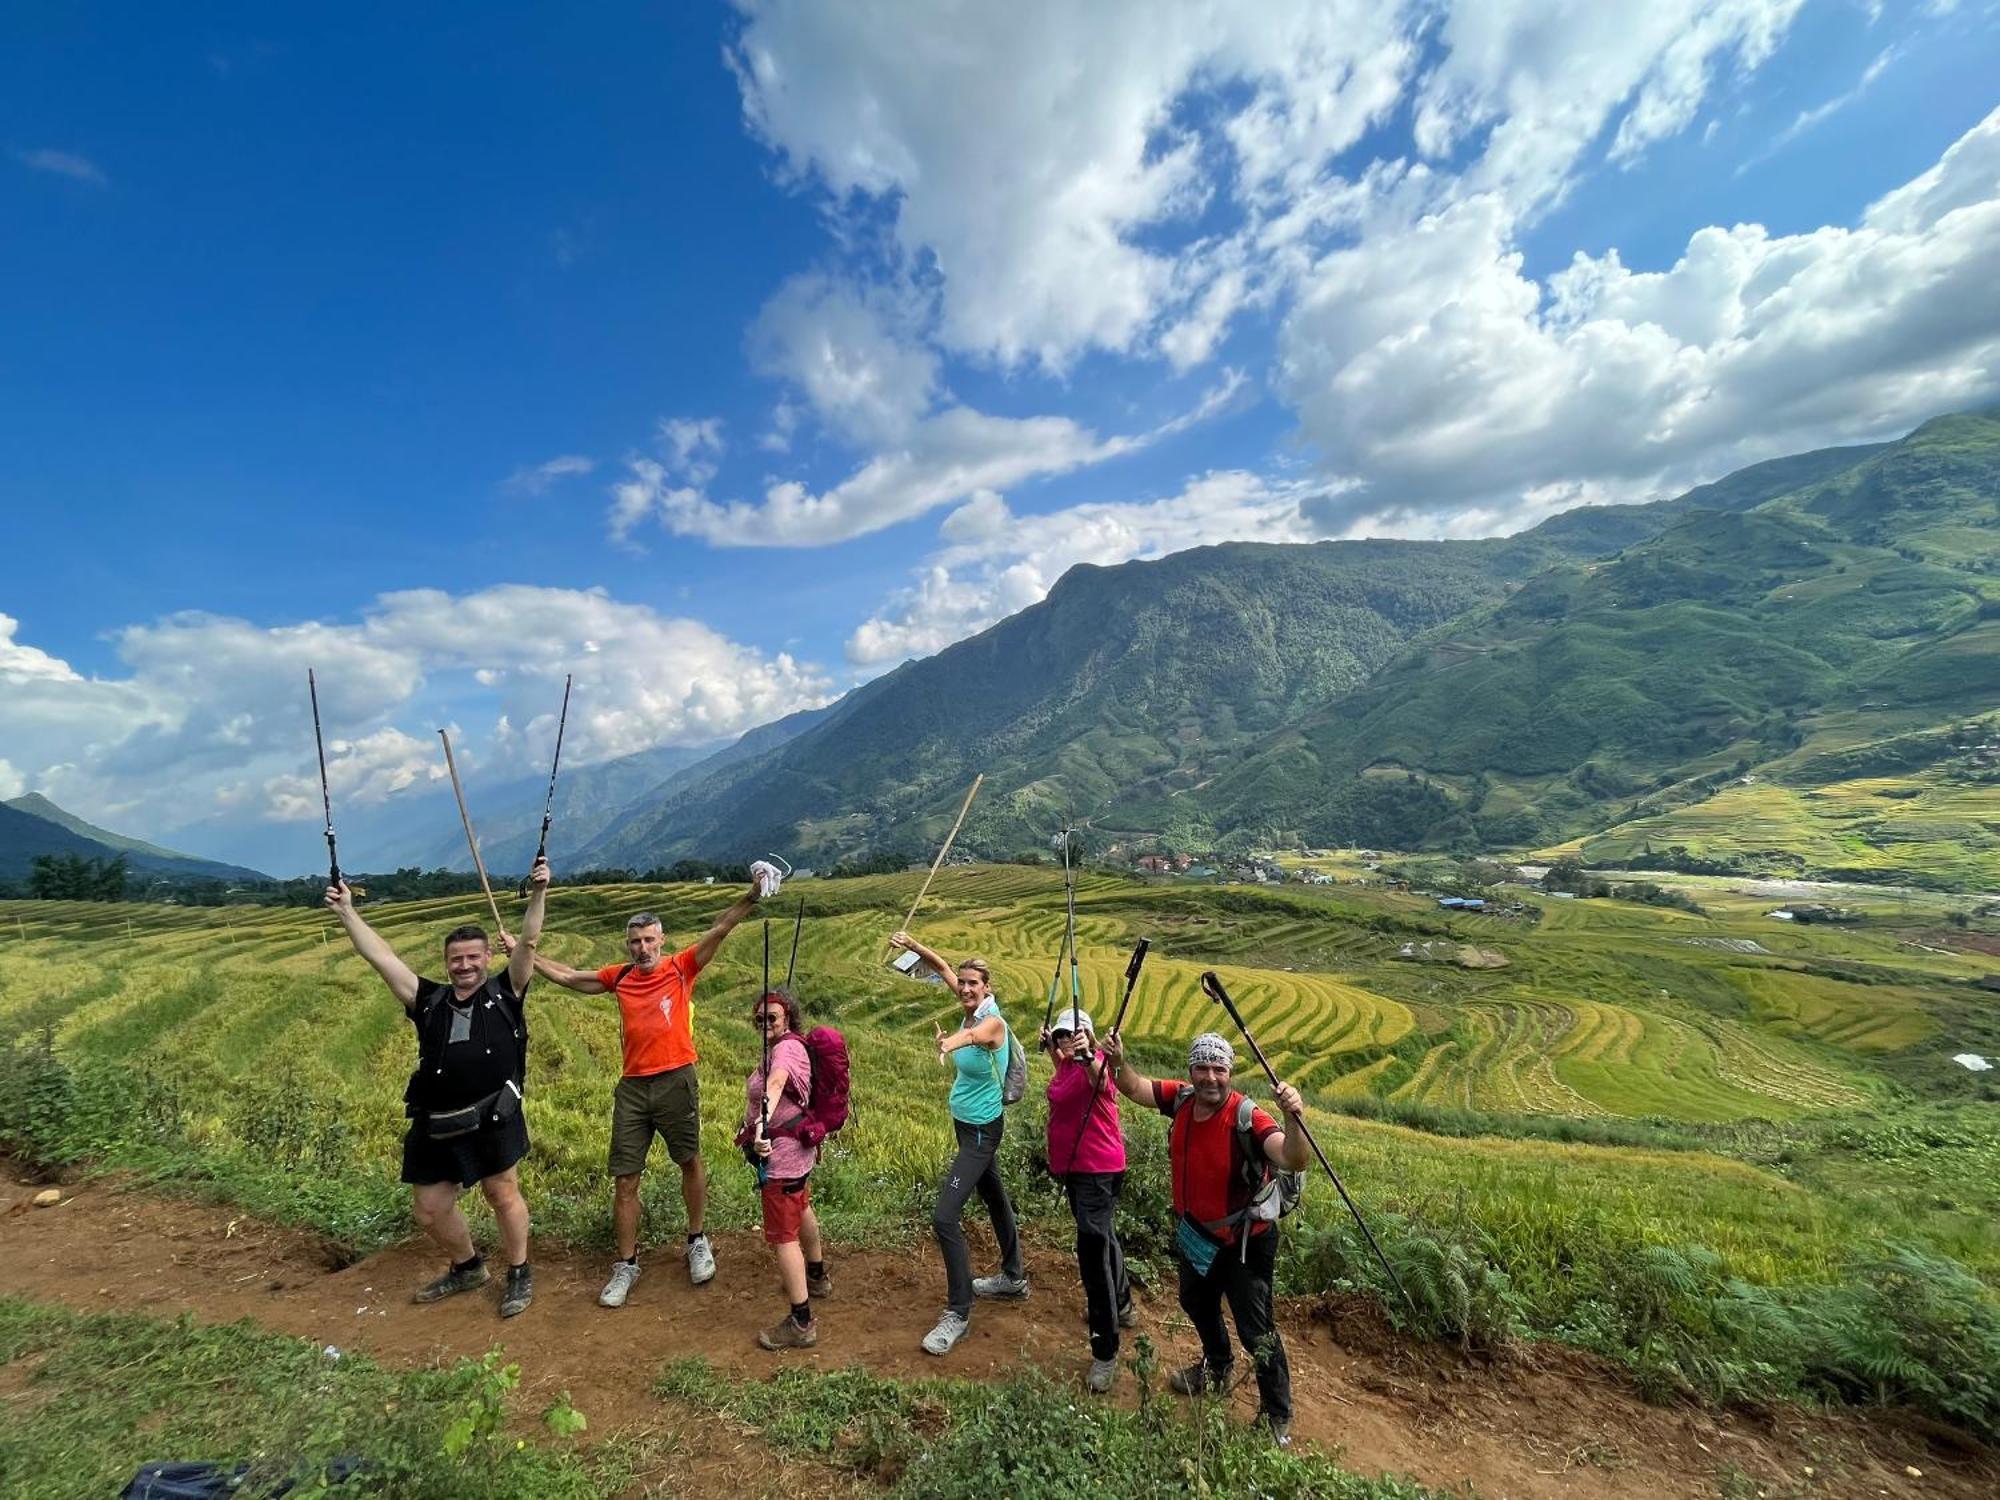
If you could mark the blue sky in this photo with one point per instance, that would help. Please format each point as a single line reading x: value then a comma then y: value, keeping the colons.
x: 729, y: 355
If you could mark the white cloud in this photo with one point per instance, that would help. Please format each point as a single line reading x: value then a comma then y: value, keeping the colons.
x: 997, y: 564
x: 12, y: 783
x: 1545, y: 78
x: 852, y: 351
x: 1810, y: 119
x: 692, y: 446
x: 536, y: 479
x: 211, y: 712
x: 20, y: 664
x: 1027, y: 151
x: 690, y: 449
x: 1050, y: 160
x: 1424, y: 361
x: 71, y: 164
x: 942, y: 460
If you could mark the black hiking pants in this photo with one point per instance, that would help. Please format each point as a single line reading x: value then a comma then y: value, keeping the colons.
x: 1244, y: 1277
x: 1093, y: 1202
x: 976, y: 1168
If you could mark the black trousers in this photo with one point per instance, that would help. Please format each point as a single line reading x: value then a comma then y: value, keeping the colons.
x: 1093, y: 1202
x: 1244, y: 1277
x: 976, y: 1168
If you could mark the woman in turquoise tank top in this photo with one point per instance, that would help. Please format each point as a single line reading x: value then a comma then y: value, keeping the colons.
x: 977, y: 1053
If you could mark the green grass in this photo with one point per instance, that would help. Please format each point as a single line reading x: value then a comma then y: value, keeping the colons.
x: 1025, y: 1435
x: 91, y: 1398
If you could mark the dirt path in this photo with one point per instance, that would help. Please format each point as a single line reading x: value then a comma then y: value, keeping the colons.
x: 1551, y: 1423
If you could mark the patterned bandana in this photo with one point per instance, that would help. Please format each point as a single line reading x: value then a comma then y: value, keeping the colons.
x: 1211, y: 1048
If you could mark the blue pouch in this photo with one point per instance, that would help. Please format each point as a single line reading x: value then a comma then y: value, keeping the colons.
x: 1196, y: 1248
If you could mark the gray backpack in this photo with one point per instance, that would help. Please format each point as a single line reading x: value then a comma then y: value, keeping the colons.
x: 1014, y: 1082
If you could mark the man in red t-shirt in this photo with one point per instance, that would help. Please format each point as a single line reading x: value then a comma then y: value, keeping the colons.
x: 1225, y: 1250
x: 660, y: 1092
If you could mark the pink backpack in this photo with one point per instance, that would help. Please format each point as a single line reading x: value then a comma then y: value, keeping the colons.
x: 826, y: 1049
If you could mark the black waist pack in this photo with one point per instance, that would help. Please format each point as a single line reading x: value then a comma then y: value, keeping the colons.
x: 449, y: 1124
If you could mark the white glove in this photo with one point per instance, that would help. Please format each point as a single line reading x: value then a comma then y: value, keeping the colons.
x: 768, y: 877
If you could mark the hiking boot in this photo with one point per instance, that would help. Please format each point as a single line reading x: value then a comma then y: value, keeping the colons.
x: 520, y: 1291
x: 1128, y: 1315
x: 619, y: 1287
x: 1280, y: 1429
x: 819, y: 1286
x: 1102, y: 1375
x: 788, y: 1335
x: 1198, y: 1380
x: 1003, y: 1287
x: 701, y: 1260
x: 951, y: 1327
x: 457, y: 1279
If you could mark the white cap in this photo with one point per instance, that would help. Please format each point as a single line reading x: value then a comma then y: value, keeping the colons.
x: 1073, y: 1020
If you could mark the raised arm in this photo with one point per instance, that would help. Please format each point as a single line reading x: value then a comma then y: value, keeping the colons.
x: 400, y: 978
x: 931, y: 957
x: 1133, y: 1084
x: 583, y: 981
x: 521, y: 961
x: 711, y: 940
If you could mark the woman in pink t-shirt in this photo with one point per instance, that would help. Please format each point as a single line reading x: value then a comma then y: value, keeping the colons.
x: 784, y: 1164
x: 1087, y: 1152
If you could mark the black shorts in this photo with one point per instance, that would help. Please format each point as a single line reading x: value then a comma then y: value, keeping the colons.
x: 464, y: 1159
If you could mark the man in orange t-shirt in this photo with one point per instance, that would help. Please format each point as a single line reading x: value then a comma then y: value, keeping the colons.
x: 660, y: 1092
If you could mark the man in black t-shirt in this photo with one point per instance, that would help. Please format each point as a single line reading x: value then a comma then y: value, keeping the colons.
x: 464, y: 1099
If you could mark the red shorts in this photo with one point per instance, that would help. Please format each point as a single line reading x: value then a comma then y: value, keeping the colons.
x: 785, y: 1203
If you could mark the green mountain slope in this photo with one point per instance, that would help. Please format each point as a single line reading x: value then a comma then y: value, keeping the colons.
x: 72, y: 835
x: 1125, y: 686
x: 1858, y: 607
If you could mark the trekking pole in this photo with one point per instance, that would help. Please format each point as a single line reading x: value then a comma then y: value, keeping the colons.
x: 1055, y: 979
x: 763, y: 1030
x: 1097, y: 1085
x: 1069, y: 881
x: 549, y: 807
x: 798, y: 925
x: 325, y: 797
x: 1212, y: 986
x: 943, y: 850
x: 471, y: 839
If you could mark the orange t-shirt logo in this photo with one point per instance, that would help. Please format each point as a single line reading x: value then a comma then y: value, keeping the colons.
x: 656, y: 1012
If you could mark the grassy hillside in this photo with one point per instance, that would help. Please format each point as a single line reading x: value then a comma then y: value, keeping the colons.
x: 1139, y: 680
x: 1628, y: 699
x: 1634, y: 1078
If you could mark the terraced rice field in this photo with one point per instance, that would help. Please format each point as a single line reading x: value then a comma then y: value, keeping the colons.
x: 1860, y: 1018
x: 1606, y: 1007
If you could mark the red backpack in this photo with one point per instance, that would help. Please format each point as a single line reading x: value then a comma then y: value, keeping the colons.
x: 826, y: 1050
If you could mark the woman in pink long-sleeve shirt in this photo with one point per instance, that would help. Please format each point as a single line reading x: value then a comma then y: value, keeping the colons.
x: 1087, y: 1152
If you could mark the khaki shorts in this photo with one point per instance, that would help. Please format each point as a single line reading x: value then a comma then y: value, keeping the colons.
x: 668, y: 1104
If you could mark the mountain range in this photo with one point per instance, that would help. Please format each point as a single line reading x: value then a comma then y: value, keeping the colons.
x: 1612, y: 665
x: 1793, y: 669
x: 32, y: 825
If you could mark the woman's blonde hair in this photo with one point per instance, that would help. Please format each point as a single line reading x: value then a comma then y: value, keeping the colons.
x: 978, y: 966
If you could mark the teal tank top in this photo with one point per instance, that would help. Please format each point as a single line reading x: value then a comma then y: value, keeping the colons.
x: 975, y: 1086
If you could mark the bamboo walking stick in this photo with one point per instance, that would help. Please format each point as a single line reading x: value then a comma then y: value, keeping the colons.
x: 964, y: 808
x: 471, y: 839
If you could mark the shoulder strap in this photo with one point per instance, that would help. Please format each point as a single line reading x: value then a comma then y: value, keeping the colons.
x: 619, y: 978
